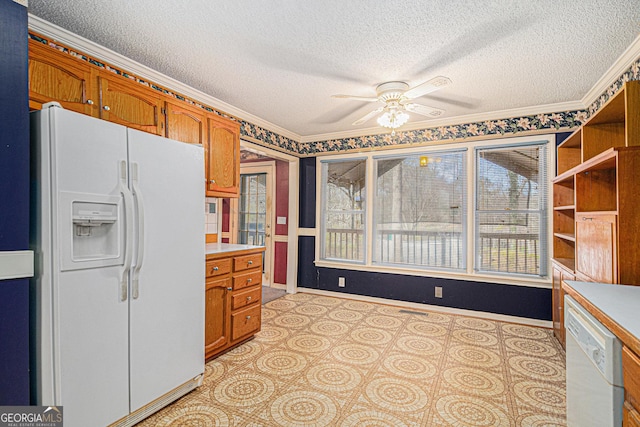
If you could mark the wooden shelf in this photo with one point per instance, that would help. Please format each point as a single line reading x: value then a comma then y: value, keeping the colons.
x: 565, y: 208
x: 567, y: 263
x: 570, y: 152
x: 566, y: 236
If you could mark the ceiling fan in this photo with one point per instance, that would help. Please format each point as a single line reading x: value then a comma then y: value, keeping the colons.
x: 396, y: 97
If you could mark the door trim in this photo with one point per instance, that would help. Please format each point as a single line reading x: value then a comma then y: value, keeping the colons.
x: 292, y: 228
x: 268, y: 167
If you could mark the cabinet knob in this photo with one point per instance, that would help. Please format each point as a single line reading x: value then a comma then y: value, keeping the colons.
x: 229, y: 289
x: 106, y: 108
x: 89, y: 102
x: 212, y: 181
x: 248, y: 298
x: 250, y: 263
x: 249, y: 280
x: 215, y: 268
x: 248, y: 317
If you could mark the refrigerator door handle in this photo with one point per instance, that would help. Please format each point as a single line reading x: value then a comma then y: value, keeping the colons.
x: 127, y: 197
x: 135, y: 285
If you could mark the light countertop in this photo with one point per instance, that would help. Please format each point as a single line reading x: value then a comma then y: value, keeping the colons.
x: 620, y: 303
x: 220, y: 248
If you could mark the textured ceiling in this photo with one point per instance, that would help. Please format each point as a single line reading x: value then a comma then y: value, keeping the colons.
x: 282, y: 60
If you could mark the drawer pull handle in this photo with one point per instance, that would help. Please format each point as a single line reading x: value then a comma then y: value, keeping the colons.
x: 584, y: 218
x: 229, y: 289
x: 248, y: 298
x: 248, y: 317
x: 250, y: 262
x: 249, y: 280
x: 215, y: 268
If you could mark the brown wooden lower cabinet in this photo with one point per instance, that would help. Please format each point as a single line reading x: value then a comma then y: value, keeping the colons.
x: 560, y: 273
x: 233, y: 299
x: 631, y: 379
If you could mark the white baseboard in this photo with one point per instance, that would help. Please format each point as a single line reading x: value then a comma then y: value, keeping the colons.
x: 437, y: 308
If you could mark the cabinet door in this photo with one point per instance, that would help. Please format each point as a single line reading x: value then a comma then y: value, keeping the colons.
x: 126, y: 103
x: 185, y: 123
x: 223, y: 158
x: 217, y: 315
x: 596, y: 247
x: 55, y: 76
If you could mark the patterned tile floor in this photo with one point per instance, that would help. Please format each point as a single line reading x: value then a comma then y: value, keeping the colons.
x: 322, y: 361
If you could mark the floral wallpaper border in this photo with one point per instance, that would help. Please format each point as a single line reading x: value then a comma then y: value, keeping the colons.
x: 565, y: 120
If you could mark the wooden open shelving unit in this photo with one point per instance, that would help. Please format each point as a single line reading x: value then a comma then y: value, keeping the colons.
x: 596, y: 226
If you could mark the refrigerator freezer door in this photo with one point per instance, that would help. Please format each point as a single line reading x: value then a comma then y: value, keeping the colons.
x: 89, y: 320
x: 167, y: 311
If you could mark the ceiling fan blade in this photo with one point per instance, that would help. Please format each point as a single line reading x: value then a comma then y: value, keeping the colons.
x: 368, y: 116
x: 427, y: 87
x: 359, y: 98
x: 423, y: 110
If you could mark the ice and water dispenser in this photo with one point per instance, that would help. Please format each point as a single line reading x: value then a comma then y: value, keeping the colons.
x: 93, y: 231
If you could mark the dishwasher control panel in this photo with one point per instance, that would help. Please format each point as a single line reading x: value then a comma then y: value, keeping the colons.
x: 598, y: 343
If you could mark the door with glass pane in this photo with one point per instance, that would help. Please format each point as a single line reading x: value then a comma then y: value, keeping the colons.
x: 254, y: 215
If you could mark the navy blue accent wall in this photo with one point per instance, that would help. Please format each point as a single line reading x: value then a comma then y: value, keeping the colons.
x: 561, y: 136
x: 533, y: 303
x: 14, y: 201
x: 307, y: 271
x: 307, y: 213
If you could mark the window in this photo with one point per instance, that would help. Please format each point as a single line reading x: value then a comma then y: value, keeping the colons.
x: 252, y: 212
x: 465, y: 210
x: 420, y: 210
x: 343, y: 210
x: 511, y: 210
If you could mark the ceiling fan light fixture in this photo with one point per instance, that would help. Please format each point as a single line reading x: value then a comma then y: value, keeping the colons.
x: 393, y: 119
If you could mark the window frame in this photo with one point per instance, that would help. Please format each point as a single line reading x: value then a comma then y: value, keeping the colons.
x: 465, y: 213
x: 323, y: 211
x: 545, y: 203
x: 469, y: 274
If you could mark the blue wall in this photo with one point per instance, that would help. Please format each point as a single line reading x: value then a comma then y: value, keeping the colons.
x: 14, y: 201
x: 521, y: 301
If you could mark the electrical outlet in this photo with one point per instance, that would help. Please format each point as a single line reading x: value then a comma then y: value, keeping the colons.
x: 341, y: 282
x: 438, y: 291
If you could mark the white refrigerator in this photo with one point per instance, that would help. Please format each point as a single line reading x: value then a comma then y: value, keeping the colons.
x: 118, y: 295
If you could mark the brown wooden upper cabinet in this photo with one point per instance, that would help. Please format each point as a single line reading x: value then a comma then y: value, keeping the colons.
x: 186, y: 123
x: 222, y: 158
x: 57, y: 77
x: 85, y: 88
x: 132, y: 106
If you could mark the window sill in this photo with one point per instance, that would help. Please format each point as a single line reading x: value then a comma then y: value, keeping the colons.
x: 501, y: 279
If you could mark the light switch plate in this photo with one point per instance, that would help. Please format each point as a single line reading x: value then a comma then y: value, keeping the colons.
x: 281, y: 220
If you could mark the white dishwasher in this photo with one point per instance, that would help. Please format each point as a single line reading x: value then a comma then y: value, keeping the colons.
x: 594, y: 370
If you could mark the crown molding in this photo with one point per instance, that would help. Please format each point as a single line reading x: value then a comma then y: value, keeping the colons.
x: 453, y: 121
x: 90, y: 48
x: 613, y: 73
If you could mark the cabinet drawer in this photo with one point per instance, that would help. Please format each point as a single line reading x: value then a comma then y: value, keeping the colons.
x: 247, y: 261
x: 631, y: 376
x: 245, y: 280
x: 244, y: 298
x: 245, y: 322
x: 217, y: 267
